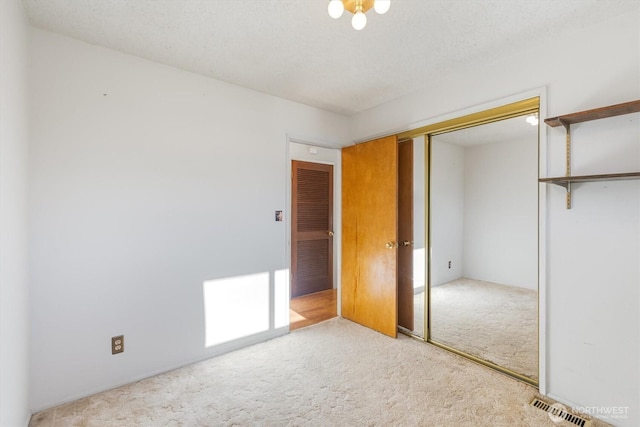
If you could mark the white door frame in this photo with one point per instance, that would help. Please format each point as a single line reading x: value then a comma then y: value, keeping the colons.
x: 317, y: 152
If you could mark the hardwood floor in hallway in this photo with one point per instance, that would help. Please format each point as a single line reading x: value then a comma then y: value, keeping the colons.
x: 313, y: 308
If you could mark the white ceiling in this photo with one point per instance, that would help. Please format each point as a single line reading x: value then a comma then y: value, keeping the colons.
x: 294, y: 50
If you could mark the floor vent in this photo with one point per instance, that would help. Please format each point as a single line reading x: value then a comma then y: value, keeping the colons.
x: 558, y: 412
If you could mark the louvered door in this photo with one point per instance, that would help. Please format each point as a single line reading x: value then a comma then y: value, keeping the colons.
x: 312, y: 228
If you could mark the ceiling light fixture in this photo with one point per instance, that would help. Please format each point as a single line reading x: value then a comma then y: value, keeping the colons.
x: 358, y: 8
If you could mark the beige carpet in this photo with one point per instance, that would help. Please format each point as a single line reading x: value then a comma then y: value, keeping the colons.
x: 335, y: 373
x: 494, y: 322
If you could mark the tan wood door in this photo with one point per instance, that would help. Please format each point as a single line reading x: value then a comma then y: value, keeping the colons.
x: 369, y: 234
x: 405, y: 235
x: 311, y: 228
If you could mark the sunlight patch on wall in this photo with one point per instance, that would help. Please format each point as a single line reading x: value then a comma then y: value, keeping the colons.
x: 236, y: 307
x: 281, y: 298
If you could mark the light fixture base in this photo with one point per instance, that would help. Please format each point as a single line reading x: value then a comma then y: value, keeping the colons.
x: 350, y: 5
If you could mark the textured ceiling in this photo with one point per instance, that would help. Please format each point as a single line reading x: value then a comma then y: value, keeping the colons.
x: 294, y: 50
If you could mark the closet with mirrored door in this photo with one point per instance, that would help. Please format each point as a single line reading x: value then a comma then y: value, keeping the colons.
x: 460, y: 247
x: 481, y: 230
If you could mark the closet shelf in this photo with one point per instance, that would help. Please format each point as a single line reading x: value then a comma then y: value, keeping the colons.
x: 595, y: 114
x: 584, y: 116
x: 564, y: 181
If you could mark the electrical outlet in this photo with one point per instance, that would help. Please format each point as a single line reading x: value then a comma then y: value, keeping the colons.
x: 117, y: 344
x: 449, y: 264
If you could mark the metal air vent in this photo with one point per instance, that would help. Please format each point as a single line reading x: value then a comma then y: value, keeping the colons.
x: 558, y: 412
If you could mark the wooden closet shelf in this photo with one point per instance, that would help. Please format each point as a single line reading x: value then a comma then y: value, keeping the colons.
x: 595, y: 114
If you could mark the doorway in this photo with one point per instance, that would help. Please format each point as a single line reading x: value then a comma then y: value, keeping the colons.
x: 312, y: 282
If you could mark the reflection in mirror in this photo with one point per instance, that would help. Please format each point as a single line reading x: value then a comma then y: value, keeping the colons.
x: 418, y: 279
x: 484, y: 243
x: 419, y: 235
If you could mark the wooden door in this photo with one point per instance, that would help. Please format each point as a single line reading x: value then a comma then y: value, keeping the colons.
x: 369, y: 234
x: 405, y: 235
x: 312, y: 228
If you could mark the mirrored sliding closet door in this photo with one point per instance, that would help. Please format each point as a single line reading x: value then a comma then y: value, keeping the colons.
x: 483, y: 233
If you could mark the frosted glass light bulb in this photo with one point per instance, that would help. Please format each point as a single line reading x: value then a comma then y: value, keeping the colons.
x: 335, y: 8
x: 381, y: 6
x: 359, y: 20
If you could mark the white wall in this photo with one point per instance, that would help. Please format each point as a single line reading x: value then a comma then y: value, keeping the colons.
x: 14, y: 320
x: 500, y: 242
x: 592, y: 251
x: 153, y: 199
x: 447, y: 211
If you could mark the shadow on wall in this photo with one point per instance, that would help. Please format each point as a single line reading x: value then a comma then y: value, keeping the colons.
x: 241, y: 306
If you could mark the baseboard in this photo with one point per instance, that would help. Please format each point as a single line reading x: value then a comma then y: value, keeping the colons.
x: 210, y: 353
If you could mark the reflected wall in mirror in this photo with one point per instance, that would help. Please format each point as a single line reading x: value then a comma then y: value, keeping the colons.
x: 484, y: 243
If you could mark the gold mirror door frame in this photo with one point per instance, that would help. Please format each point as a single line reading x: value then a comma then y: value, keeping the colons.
x: 520, y: 108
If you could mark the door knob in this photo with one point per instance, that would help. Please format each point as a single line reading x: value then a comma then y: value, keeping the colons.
x: 390, y: 245
x: 330, y: 233
x: 407, y: 243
